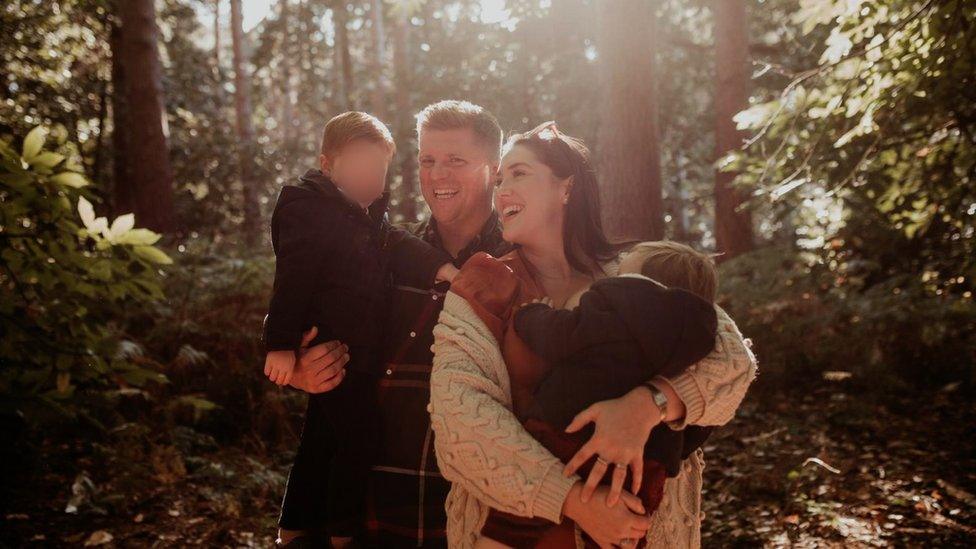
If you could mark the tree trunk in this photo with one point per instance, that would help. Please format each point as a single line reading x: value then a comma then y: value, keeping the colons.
x: 287, y: 122
x: 405, y: 119
x: 216, y: 29
x: 122, y: 195
x: 733, y: 223
x: 378, y: 95
x: 245, y: 131
x: 341, y: 21
x: 630, y: 164
x: 150, y: 176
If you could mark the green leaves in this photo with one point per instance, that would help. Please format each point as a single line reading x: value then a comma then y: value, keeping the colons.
x: 886, y: 128
x: 33, y: 143
x: 70, y: 179
x: 152, y: 254
x: 62, y: 295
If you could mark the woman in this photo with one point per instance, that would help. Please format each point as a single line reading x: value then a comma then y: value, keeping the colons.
x: 548, y: 203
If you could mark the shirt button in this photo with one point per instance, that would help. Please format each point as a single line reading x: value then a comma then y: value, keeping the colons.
x: 389, y: 372
x: 413, y: 334
x: 435, y: 297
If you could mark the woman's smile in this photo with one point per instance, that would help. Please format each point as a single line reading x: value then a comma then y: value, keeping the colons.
x: 511, y: 211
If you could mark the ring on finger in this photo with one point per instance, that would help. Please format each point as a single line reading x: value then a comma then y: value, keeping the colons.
x: 602, y: 461
x: 620, y: 465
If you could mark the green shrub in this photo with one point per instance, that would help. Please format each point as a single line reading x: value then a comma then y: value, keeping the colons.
x: 65, y: 274
x: 806, y: 319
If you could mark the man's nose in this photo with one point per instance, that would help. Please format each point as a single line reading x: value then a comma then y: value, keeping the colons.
x: 439, y: 172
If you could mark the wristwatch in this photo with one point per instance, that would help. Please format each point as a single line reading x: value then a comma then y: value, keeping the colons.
x: 660, y: 399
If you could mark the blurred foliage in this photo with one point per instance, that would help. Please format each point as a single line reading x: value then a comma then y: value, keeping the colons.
x: 807, y: 321
x: 65, y: 275
x: 876, y: 144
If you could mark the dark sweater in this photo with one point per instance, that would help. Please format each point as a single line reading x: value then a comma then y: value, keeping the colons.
x: 332, y: 269
x: 625, y: 331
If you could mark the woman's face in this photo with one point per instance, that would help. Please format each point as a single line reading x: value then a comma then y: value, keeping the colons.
x: 530, y: 199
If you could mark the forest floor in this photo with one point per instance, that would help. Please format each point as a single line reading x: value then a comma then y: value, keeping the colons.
x: 819, y: 469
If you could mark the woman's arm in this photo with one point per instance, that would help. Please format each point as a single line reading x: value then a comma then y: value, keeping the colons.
x: 481, y: 446
x: 712, y: 389
x: 479, y: 442
x: 707, y: 393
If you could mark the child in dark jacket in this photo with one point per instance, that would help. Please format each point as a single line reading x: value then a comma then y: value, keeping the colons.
x: 654, y: 320
x: 334, y: 252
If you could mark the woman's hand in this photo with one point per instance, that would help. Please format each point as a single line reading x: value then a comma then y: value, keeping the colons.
x: 608, y: 525
x: 321, y: 368
x: 623, y: 426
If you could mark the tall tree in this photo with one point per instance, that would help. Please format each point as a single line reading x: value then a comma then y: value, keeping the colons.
x: 147, y: 180
x: 287, y: 117
x: 245, y: 129
x: 122, y: 196
x: 733, y: 223
x: 340, y: 19
x: 405, y: 126
x: 630, y: 164
x: 216, y: 31
x: 378, y: 94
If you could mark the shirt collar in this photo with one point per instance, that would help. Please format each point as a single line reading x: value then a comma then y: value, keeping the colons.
x: 489, y: 238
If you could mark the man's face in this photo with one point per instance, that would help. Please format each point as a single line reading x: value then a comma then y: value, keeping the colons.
x: 456, y: 175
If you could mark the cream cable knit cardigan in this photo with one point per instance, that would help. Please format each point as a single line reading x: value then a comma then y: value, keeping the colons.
x: 492, y: 461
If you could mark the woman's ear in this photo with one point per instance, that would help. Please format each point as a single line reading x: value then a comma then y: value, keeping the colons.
x: 567, y: 188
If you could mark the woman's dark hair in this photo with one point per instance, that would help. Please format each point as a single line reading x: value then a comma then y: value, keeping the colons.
x: 584, y: 242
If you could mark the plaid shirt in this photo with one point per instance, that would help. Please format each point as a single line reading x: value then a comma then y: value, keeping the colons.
x: 407, y: 492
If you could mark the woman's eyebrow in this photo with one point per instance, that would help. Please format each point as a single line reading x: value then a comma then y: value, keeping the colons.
x: 517, y: 165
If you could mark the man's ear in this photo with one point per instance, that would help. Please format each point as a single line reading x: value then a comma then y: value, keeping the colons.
x: 324, y: 164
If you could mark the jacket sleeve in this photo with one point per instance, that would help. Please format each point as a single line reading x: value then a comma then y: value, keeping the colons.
x: 713, y: 387
x: 547, y: 331
x: 414, y: 261
x: 679, y: 331
x: 302, y: 248
x: 480, y: 444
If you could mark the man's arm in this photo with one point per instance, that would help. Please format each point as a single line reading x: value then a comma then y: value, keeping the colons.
x: 414, y: 261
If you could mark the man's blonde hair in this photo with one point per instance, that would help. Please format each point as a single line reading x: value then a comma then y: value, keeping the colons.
x: 350, y: 126
x: 452, y: 114
x: 678, y: 266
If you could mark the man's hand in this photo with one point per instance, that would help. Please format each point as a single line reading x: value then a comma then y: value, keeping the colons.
x: 320, y: 368
x: 279, y: 366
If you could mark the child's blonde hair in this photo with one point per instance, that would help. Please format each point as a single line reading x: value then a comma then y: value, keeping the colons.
x: 678, y: 266
x: 353, y: 125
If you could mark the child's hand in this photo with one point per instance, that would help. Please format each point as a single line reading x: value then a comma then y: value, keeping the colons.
x: 544, y: 301
x: 279, y: 366
x: 447, y: 272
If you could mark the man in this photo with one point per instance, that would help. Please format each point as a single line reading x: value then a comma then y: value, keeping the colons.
x: 459, y: 150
